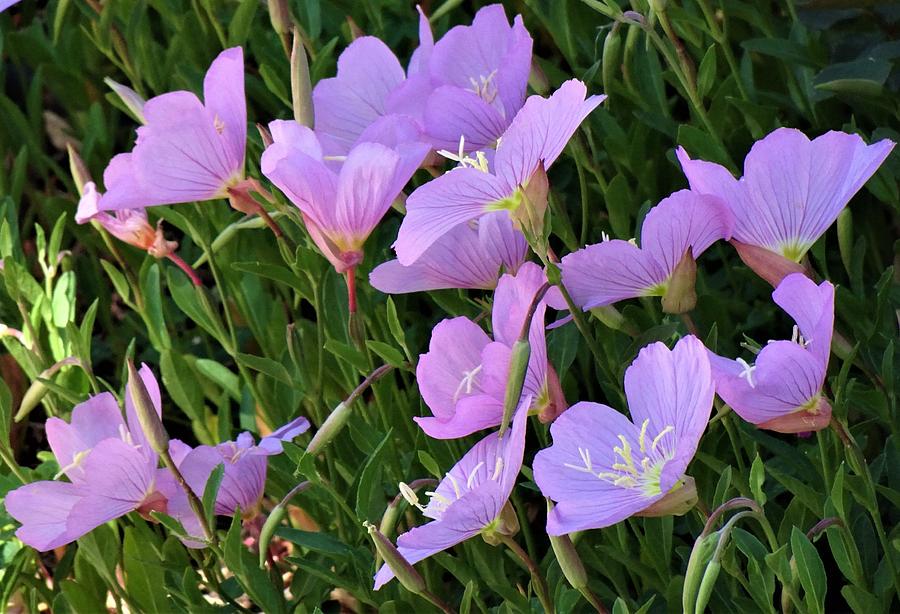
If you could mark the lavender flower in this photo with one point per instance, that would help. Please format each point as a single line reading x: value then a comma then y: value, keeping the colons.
x: 682, y: 225
x: 782, y: 390
x: 111, y: 468
x: 494, y: 181
x: 791, y: 192
x: 472, y: 255
x: 603, y: 468
x: 188, y: 150
x: 463, y: 376
x: 341, y: 207
x: 469, y: 500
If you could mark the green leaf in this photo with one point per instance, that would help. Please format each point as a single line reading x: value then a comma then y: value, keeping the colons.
x: 219, y: 374
x: 63, y: 301
x: 811, y: 571
x: 370, y: 482
x: 316, y: 541
x: 6, y: 413
x: 153, y: 309
x: 350, y: 355
x: 621, y: 206
x: 430, y: 464
x: 118, y: 280
x: 241, y: 22
x: 269, y: 367
x: 144, y: 575
x: 101, y: 549
x: 211, y: 492
x: 180, y: 384
x: 757, y: 479
x: 388, y: 353
x: 865, y: 77
x: 253, y: 580
x: 706, y: 74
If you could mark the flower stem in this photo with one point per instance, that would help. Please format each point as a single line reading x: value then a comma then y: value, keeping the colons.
x: 540, y: 586
x: 437, y: 602
x: 184, y: 266
x: 193, y: 500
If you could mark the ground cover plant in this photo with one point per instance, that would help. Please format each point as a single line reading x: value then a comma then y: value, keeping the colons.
x: 541, y: 306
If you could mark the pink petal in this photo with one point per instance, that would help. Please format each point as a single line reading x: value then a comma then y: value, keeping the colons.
x: 96, y: 419
x: 43, y: 508
x: 223, y: 95
x: 452, y: 112
x: 611, y: 271
x: 812, y: 308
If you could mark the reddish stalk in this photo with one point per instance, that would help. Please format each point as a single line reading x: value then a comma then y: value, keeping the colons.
x: 350, y: 276
x: 184, y: 266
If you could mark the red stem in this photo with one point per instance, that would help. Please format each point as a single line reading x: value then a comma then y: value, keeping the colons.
x: 184, y: 266
x: 350, y: 276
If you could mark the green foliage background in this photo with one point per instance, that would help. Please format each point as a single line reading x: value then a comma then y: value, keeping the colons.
x: 267, y: 339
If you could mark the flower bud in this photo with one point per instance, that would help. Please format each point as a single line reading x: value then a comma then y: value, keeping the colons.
x: 403, y: 570
x: 150, y: 421
x: 38, y: 389
x: 301, y: 88
x: 506, y: 523
x: 530, y: 213
x: 280, y: 16
x: 706, y: 585
x: 568, y: 559
x: 845, y: 237
x: 331, y: 427
x: 678, y: 501
x: 131, y: 99
x: 612, y: 56
x: 537, y: 78
x: 680, y: 295
x: 702, y: 552
x: 518, y: 368
x: 264, y: 135
x: 557, y: 403
x: 80, y: 173
x: 767, y: 264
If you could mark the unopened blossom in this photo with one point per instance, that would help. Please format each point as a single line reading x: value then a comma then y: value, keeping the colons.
x: 782, y: 390
x: 603, y: 467
x: 792, y: 190
x: 469, y: 500
x: 111, y: 468
x: 682, y: 226
x: 470, y: 83
x: 472, y: 255
x: 341, y: 200
x: 188, y: 150
x: 494, y: 180
x: 463, y: 376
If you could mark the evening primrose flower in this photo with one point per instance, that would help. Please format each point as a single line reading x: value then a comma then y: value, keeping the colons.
x: 342, y: 200
x: 188, y: 150
x: 603, y: 468
x: 494, y: 180
x: 111, y: 467
x: 782, y: 390
x: 470, y: 500
x: 463, y: 376
x: 674, y: 233
x: 472, y: 255
x: 792, y: 190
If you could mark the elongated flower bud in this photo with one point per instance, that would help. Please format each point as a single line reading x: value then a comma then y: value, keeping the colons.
x: 518, y: 367
x: 403, y: 570
x: 280, y: 16
x: 301, y: 88
x: 767, y: 264
x: 131, y: 99
x: 530, y: 212
x: 701, y: 554
x: 80, y: 173
x: 38, y: 389
x: 568, y: 559
x: 331, y: 427
x: 680, y: 296
x: 612, y: 56
x: 706, y: 585
x: 150, y: 421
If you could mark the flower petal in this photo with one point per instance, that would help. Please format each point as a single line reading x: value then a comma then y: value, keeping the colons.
x: 92, y: 421
x: 604, y: 273
x: 812, y: 308
x: 223, y: 95
x: 452, y: 112
x: 43, y: 508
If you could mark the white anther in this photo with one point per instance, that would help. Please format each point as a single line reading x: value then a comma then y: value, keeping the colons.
x: 747, y: 373
x: 472, y: 474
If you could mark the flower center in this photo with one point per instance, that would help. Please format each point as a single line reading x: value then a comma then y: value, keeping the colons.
x: 747, y: 373
x: 479, y: 162
x: 438, y: 502
x: 633, y: 468
x: 484, y: 87
x: 467, y: 383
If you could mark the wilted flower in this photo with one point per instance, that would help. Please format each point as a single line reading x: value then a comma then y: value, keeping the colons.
x: 603, y: 468
x: 679, y: 228
x: 472, y: 255
x: 782, y: 390
x: 188, y: 150
x: 494, y: 181
x: 113, y: 471
x: 791, y: 192
x: 463, y: 376
x: 469, y: 500
x: 341, y: 207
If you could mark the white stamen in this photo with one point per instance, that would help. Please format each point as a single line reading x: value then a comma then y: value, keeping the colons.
x: 455, y: 485
x: 659, y: 437
x: 467, y: 382
x: 472, y: 474
x: 747, y: 373
x: 410, y: 495
x: 498, y: 467
x: 603, y: 236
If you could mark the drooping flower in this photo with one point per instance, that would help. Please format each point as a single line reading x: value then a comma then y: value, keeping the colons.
x: 494, y: 181
x: 675, y: 232
x: 245, y: 467
x: 469, y: 500
x: 782, y: 390
x: 464, y: 374
x: 472, y: 255
x: 470, y: 83
x: 341, y: 207
x: 792, y: 190
x: 603, y: 467
x: 111, y: 468
x: 188, y: 150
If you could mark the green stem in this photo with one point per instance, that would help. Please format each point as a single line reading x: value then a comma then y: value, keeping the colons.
x: 10, y: 461
x: 540, y: 586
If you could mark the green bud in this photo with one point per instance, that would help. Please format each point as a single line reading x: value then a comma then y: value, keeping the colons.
x: 612, y: 56
x: 331, y: 427
x: 150, y: 421
x: 131, y: 99
x: 537, y: 78
x: 680, y: 295
x: 280, y: 16
x: 301, y: 88
x: 38, y: 390
x: 610, y: 316
x: 530, y: 214
x: 268, y: 530
x: 706, y: 586
x: 518, y: 367
x: 703, y: 551
x: 845, y: 237
x: 767, y: 264
x: 568, y: 559
x: 403, y: 570
x: 80, y: 173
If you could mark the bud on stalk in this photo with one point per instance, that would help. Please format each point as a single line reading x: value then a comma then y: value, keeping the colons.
x: 402, y: 569
x: 568, y: 559
x: 767, y: 264
x: 150, y: 421
x: 80, y: 173
x: 133, y: 101
x: 518, y: 368
x: 301, y: 88
x: 680, y: 295
x: 280, y: 16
